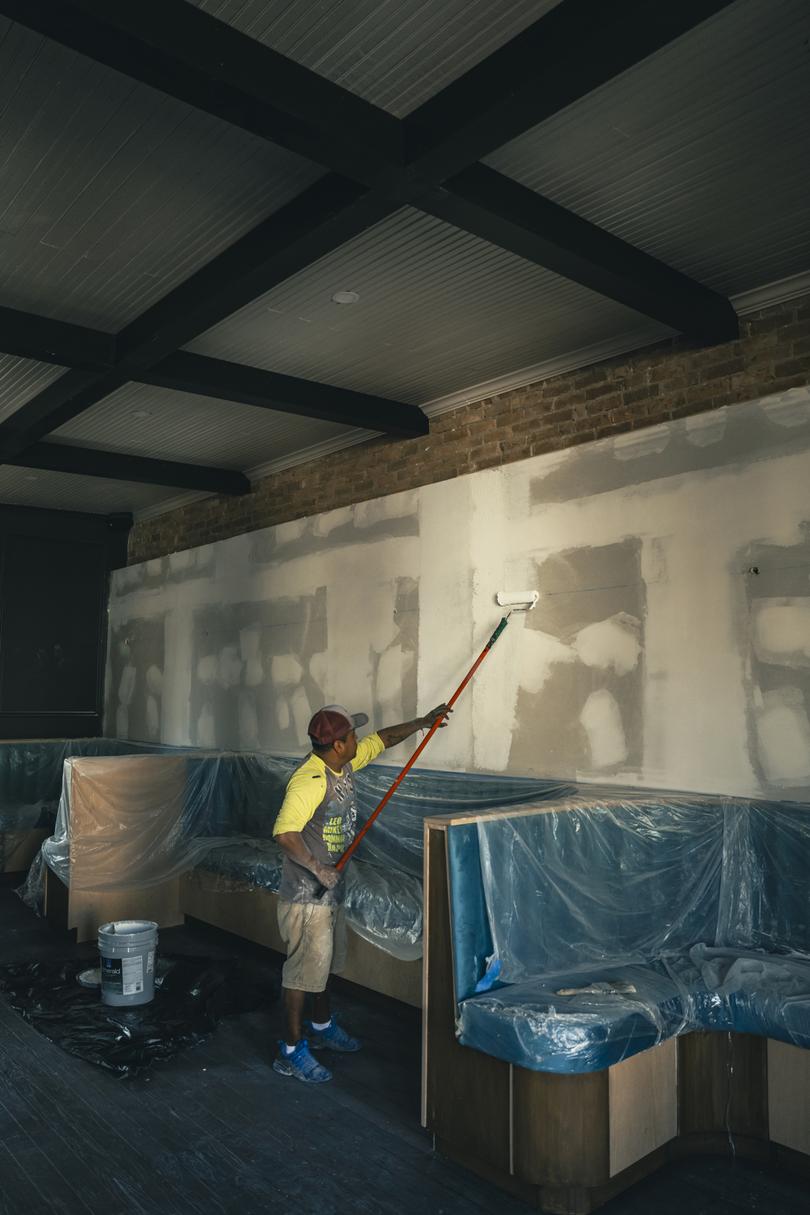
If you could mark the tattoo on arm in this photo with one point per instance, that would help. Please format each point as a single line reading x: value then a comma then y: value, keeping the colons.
x: 391, y: 735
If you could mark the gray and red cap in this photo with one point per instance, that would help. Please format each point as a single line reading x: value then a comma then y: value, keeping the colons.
x: 333, y: 722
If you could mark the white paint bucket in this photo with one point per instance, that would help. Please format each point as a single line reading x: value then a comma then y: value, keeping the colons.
x: 127, y: 949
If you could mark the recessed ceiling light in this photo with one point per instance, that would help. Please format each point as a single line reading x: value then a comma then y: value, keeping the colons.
x: 345, y: 297
x: 140, y: 414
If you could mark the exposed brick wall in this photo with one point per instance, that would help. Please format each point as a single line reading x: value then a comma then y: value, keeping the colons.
x: 654, y: 385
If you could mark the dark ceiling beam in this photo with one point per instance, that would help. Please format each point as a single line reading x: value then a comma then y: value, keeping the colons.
x: 578, y: 46
x: 24, y: 333
x: 62, y: 400
x: 514, y: 217
x: 227, y: 381
x: 321, y: 219
x: 114, y: 466
x: 190, y: 55
x: 316, y: 222
x: 572, y: 50
x: 38, y: 337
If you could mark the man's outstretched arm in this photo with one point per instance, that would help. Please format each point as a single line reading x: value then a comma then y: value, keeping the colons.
x: 391, y: 735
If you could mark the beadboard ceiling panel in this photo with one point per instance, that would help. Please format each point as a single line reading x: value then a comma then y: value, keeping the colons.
x: 700, y: 155
x: 439, y: 310
x: 142, y: 421
x: 112, y: 193
x: 65, y: 491
x: 22, y: 379
x: 394, y: 53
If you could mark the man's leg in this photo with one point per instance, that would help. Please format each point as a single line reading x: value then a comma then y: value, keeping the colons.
x: 307, y: 933
x: 322, y: 1007
x: 325, y: 1031
x: 294, y: 1004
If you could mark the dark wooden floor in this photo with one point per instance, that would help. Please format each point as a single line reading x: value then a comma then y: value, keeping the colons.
x: 216, y: 1130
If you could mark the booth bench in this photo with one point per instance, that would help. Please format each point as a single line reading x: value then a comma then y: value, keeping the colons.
x: 612, y: 981
x: 190, y: 833
x: 30, y: 787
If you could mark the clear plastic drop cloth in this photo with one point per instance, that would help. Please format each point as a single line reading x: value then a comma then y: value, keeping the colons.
x: 384, y: 906
x: 563, y: 1024
x: 31, y: 775
x: 255, y: 863
x: 384, y: 898
x: 138, y: 821
x: 134, y: 821
x: 724, y: 971
x: 613, y: 922
x: 601, y: 879
x: 765, y: 901
x: 396, y: 839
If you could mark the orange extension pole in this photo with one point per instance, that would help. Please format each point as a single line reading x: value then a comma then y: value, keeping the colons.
x: 343, y: 860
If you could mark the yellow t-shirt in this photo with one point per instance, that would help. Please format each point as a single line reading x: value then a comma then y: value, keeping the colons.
x: 307, y: 785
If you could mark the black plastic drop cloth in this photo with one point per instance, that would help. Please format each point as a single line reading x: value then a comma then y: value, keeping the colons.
x: 195, y: 993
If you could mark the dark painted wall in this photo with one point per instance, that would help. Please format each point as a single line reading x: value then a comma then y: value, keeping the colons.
x: 54, y: 575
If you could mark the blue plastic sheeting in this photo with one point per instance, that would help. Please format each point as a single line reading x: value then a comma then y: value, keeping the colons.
x: 474, y: 961
x: 253, y: 860
x: 749, y: 991
x: 218, y: 819
x: 602, y: 926
x: 384, y: 881
x: 532, y: 1025
x: 31, y: 776
x: 616, y: 880
x: 397, y: 836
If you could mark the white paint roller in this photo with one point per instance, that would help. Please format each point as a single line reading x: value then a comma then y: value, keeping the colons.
x: 517, y: 601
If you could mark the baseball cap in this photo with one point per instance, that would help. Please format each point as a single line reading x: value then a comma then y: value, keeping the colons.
x: 332, y: 722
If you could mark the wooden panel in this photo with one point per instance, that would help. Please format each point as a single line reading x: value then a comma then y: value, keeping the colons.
x: 18, y: 849
x: 561, y: 1128
x: 789, y: 1095
x: 55, y: 909
x: 466, y: 1097
x: 122, y: 810
x: 643, y: 1104
x: 229, y: 905
x: 722, y: 1084
x: 252, y: 914
x: 89, y: 909
x: 372, y: 967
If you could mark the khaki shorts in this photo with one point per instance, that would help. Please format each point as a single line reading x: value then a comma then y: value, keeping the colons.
x: 315, y: 937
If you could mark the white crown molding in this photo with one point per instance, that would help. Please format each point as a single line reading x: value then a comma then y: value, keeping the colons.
x: 305, y: 455
x: 168, y: 504
x: 779, y: 292
x: 315, y: 451
x: 584, y: 356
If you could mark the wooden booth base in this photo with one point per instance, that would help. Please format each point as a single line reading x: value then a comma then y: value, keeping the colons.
x: 82, y: 911
x: 252, y: 914
x: 247, y: 913
x: 568, y: 1143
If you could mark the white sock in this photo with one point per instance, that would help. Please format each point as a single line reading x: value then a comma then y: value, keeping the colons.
x: 321, y: 1027
x: 288, y: 1050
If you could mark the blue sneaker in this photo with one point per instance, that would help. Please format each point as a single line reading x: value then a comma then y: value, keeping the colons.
x: 300, y: 1064
x: 333, y: 1038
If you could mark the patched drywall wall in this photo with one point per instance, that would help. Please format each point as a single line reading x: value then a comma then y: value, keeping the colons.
x: 777, y: 616
x: 657, y: 655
